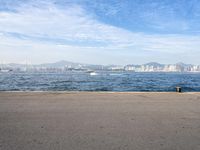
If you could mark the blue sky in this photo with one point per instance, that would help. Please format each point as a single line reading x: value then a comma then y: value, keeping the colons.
x: 100, y: 31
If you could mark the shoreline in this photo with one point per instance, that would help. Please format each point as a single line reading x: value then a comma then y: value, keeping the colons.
x: 103, y: 92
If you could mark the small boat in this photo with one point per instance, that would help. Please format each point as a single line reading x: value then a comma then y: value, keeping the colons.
x: 92, y: 73
x: 5, y: 70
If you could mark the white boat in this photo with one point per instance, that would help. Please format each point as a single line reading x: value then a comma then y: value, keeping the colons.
x: 93, y: 73
x: 5, y: 70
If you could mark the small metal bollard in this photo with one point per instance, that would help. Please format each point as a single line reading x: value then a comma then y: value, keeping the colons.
x: 178, y: 89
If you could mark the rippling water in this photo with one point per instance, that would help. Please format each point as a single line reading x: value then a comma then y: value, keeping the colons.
x: 103, y: 81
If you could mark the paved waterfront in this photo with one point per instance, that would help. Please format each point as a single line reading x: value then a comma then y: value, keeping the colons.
x: 99, y: 121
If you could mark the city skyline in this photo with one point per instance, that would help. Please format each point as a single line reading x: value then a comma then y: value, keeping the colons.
x: 26, y: 62
x: 65, y: 66
x: 100, y: 32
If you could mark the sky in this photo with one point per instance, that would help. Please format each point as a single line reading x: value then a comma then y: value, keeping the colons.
x: 100, y: 31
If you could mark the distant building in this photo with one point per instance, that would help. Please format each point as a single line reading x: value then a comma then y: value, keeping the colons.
x: 117, y: 68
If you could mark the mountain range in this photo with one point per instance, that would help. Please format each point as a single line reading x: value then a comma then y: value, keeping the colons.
x: 64, y: 63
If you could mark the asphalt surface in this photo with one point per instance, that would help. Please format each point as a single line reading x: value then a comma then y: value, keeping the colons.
x: 99, y: 121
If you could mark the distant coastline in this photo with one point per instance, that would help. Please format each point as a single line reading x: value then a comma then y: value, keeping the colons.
x: 65, y: 66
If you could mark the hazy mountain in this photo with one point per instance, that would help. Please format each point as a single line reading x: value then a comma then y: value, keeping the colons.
x: 61, y: 63
x: 183, y: 64
x: 154, y: 64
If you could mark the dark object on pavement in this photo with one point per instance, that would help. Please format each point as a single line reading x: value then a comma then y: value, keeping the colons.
x: 178, y: 89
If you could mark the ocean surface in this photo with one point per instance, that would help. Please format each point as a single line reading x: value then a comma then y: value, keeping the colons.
x: 102, y: 81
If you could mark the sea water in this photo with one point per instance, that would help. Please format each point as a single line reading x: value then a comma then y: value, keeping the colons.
x: 101, y: 81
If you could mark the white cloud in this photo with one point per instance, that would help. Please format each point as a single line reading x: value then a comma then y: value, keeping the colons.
x: 75, y: 32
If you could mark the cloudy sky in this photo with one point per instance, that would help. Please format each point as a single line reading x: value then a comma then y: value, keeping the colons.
x: 100, y: 31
